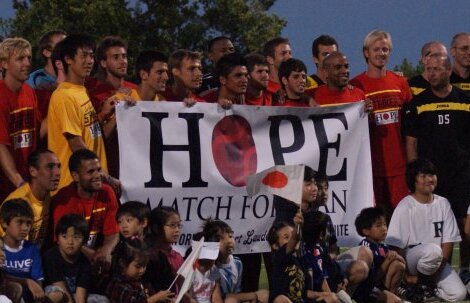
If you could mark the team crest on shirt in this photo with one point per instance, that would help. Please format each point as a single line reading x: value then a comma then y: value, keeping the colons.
x: 23, y: 140
x: 386, y: 117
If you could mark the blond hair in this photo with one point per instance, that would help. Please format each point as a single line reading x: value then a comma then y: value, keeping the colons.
x: 10, y: 46
x: 374, y: 36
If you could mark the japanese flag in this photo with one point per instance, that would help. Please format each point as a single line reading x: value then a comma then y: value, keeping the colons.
x: 187, y: 269
x: 285, y: 181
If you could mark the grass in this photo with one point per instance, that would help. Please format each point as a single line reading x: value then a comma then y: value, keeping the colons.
x: 263, y: 279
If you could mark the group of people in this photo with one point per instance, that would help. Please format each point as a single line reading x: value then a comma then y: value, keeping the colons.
x: 59, y: 155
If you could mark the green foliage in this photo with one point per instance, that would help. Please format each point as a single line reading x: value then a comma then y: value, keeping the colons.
x: 408, y: 70
x: 164, y: 25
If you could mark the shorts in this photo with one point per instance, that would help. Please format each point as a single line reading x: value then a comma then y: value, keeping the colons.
x: 389, y: 191
x: 91, y: 298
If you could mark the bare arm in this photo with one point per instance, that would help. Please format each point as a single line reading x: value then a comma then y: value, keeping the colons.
x: 217, y: 294
x: 411, y: 145
x: 103, y: 254
x: 75, y: 142
x: 80, y: 295
x: 8, y: 166
x: 43, y: 130
x: 298, y: 220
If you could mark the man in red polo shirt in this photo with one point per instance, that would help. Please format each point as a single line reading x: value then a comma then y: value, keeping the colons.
x: 107, y: 90
x: 336, y: 91
x: 389, y: 93
x: 19, y: 115
x: 293, y: 77
x: 233, y: 77
x: 276, y: 51
x: 89, y: 197
x: 258, y: 79
x: 185, y: 77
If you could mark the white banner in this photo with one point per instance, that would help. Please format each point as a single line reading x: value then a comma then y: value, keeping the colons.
x: 197, y: 159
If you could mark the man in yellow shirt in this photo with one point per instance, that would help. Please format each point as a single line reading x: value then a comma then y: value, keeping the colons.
x: 72, y: 120
x: 44, y: 172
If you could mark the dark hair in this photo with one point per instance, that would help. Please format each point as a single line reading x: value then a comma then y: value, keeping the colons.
x: 255, y: 59
x: 56, y: 55
x: 175, y: 59
x: 126, y: 251
x: 289, y: 66
x: 315, y: 225
x: 323, y: 40
x: 309, y: 173
x: 45, y: 42
x: 273, y: 237
x: 107, y: 43
x: 146, y: 59
x: 319, y: 176
x: 207, y: 238
x: 215, y: 227
x: 453, y: 43
x: 416, y: 167
x: 227, y: 63
x: 367, y: 217
x: 270, y: 46
x: 158, y: 218
x: 134, y: 209
x: 79, y: 224
x: 15, y: 208
x: 33, y: 158
x: 211, y: 43
x: 71, y: 44
x: 79, y: 155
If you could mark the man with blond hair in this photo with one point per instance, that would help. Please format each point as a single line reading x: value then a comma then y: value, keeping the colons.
x: 19, y: 114
x: 389, y: 92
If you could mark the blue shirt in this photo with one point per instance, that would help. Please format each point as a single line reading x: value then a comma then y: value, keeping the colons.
x: 24, y: 261
x: 231, y: 276
x: 40, y: 77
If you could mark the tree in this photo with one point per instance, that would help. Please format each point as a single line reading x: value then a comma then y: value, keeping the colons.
x: 408, y: 70
x: 150, y: 24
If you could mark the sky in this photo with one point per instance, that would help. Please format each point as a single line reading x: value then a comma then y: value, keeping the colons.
x: 410, y: 22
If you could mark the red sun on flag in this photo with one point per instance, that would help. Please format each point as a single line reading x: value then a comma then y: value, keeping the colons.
x: 275, y: 179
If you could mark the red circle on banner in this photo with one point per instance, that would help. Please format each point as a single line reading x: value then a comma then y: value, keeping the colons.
x: 275, y: 179
x: 233, y: 149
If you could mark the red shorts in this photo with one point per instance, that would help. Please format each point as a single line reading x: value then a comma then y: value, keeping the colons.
x: 389, y: 191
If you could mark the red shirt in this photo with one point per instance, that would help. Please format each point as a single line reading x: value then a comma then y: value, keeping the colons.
x: 389, y: 94
x: 99, y: 210
x: 266, y: 99
x: 292, y: 103
x: 212, y: 96
x: 19, y: 129
x: 326, y: 96
x: 169, y: 96
x: 273, y: 87
x: 100, y: 91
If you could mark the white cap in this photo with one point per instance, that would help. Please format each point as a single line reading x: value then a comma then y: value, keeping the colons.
x: 209, y: 250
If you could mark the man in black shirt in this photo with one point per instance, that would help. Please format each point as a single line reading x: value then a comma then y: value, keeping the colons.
x: 436, y: 127
x: 460, y: 51
x: 430, y: 49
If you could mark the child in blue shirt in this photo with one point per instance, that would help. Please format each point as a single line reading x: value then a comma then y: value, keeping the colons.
x: 388, y: 267
x: 22, y: 258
